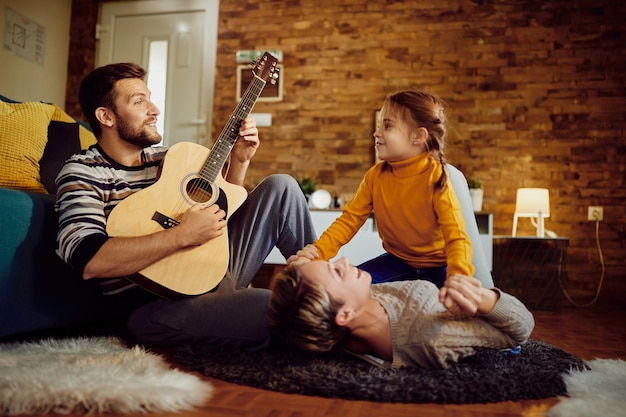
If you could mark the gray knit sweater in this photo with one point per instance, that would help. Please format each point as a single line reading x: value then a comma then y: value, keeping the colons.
x: 424, y: 333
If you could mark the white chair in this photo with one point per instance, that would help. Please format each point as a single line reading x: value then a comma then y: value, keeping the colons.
x: 533, y: 203
x: 482, y: 270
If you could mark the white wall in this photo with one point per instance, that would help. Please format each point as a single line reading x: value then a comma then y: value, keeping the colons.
x: 25, y: 80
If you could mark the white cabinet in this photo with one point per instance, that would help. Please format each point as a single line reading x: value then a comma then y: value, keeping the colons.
x: 364, y: 246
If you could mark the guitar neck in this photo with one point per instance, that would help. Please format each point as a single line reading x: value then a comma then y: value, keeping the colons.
x: 226, y: 140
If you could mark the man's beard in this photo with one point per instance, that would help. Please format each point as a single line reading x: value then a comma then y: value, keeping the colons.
x: 140, y: 136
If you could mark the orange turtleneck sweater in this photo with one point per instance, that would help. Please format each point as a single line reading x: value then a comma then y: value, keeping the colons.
x: 419, y: 225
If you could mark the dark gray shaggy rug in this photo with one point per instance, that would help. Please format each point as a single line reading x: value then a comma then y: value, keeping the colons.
x: 489, y: 376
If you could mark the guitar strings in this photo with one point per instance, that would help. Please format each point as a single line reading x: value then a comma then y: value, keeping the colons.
x: 221, y: 149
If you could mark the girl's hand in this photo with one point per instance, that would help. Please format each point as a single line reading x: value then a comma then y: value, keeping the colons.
x: 307, y: 253
x: 298, y: 260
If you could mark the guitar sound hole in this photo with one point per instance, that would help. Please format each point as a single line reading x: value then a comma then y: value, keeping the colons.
x: 199, y: 190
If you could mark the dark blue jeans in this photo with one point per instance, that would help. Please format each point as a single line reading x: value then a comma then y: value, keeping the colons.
x: 388, y: 268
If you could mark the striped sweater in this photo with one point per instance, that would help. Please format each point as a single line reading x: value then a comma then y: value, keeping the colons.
x: 89, y: 186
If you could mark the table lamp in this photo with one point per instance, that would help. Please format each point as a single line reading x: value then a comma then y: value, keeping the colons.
x: 533, y: 203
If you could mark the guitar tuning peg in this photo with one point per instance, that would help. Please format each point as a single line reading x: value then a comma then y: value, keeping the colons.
x: 273, y: 81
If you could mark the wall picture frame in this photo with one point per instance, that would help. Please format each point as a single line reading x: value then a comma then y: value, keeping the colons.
x: 271, y: 92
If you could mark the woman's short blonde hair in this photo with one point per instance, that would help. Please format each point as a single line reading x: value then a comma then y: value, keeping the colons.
x: 301, y: 314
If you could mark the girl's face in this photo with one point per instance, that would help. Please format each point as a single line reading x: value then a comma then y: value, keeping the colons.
x: 396, y: 139
x: 342, y: 281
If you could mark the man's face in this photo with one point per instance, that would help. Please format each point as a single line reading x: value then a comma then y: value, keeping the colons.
x: 135, y: 114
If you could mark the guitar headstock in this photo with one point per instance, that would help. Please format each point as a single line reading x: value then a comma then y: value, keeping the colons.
x: 266, y: 68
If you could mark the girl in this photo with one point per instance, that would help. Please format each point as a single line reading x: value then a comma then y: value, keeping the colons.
x: 418, y: 215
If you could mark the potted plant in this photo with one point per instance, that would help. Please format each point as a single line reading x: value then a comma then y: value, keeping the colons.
x: 476, y: 193
x: 308, y: 186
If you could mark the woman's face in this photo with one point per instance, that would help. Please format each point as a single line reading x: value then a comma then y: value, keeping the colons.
x: 343, y: 282
x: 395, y: 139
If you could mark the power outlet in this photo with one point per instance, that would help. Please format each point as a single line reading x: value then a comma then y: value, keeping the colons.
x: 595, y: 213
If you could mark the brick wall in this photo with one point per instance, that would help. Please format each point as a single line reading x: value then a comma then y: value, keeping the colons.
x: 536, y: 94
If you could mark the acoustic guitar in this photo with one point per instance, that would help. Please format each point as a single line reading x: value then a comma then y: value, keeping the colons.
x: 190, y: 174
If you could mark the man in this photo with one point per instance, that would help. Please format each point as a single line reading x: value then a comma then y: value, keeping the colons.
x: 116, y: 102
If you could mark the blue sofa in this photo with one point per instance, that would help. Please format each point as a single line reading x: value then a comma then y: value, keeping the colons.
x: 37, y: 290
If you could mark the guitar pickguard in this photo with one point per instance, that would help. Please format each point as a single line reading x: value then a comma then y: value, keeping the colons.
x: 165, y: 221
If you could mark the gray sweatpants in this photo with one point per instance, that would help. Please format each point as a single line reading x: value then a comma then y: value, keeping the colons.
x: 274, y: 214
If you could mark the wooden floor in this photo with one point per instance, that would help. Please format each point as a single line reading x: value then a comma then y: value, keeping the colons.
x: 586, y: 332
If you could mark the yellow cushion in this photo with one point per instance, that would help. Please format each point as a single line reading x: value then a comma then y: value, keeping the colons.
x: 86, y: 136
x: 23, y: 137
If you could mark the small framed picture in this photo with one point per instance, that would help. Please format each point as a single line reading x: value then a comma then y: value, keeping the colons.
x: 271, y: 92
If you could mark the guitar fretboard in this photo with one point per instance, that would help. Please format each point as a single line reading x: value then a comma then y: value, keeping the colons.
x: 226, y: 140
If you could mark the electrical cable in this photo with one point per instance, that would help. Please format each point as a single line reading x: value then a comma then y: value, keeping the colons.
x: 601, y: 276
x: 550, y: 233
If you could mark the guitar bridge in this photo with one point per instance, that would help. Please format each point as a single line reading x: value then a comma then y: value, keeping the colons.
x: 165, y: 221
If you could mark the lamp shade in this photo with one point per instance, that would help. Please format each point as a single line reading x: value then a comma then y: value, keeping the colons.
x: 533, y: 203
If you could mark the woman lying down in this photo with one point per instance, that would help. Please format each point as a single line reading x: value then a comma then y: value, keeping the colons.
x: 316, y: 305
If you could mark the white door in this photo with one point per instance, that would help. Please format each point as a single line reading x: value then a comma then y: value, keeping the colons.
x: 185, y: 31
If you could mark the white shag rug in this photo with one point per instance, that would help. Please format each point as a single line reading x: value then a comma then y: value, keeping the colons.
x: 92, y: 375
x: 600, y: 391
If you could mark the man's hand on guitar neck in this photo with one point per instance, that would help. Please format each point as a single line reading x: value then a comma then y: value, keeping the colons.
x: 244, y: 149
